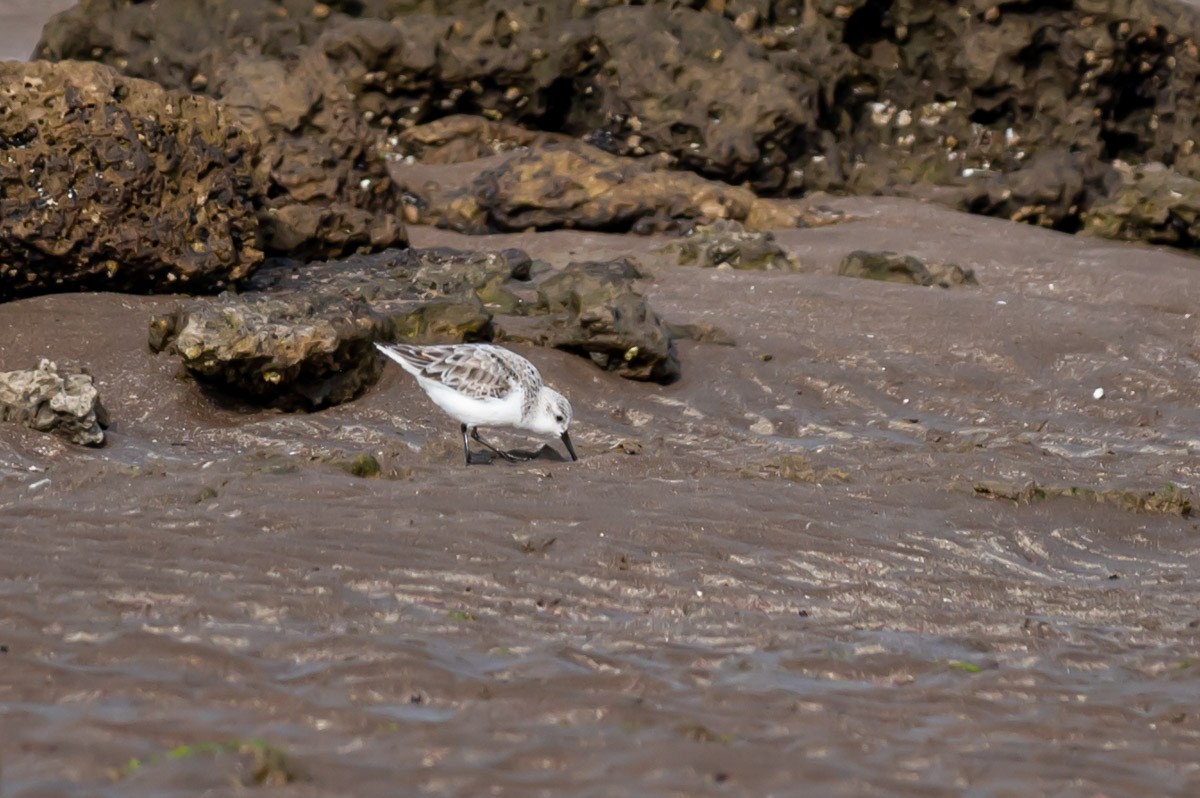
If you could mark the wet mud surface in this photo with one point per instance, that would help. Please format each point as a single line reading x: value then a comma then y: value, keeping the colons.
x: 784, y: 573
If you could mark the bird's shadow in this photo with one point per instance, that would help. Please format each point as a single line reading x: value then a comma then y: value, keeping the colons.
x: 546, y: 452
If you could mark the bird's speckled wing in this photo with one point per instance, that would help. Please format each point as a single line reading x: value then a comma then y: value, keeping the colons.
x: 479, y: 371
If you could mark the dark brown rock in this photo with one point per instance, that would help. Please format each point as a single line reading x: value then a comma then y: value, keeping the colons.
x: 593, y: 309
x: 112, y: 183
x: 1043, y: 96
x: 635, y: 80
x: 785, y: 97
x: 178, y: 44
x: 1051, y: 190
x: 692, y: 85
x: 329, y: 193
x: 516, y: 62
x: 575, y: 185
x: 65, y: 403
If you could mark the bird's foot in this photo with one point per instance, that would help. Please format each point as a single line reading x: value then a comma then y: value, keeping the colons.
x: 480, y: 458
x: 514, y: 456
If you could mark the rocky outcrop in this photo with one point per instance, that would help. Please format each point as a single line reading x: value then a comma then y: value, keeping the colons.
x: 781, y: 97
x: 65, y: 403
x: 302, y: 338
x: 113, y: 183
x: 634, y: 80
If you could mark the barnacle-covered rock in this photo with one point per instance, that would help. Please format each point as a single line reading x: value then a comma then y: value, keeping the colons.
x: 112, y: 183
x: 46, y: 399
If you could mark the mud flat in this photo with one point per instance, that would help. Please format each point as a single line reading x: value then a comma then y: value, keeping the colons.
x: 876, y: 496
x: 789, y: 566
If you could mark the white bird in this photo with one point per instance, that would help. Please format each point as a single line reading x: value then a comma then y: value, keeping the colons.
x: 486, y: 385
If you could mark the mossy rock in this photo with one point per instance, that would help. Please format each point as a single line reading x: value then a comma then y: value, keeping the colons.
x: 892, y: 267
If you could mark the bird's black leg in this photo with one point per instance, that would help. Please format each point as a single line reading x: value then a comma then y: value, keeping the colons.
x: 509, y: 456
x: 473, y: 458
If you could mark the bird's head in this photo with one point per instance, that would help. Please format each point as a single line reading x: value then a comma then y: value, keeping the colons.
x: 552, y: 417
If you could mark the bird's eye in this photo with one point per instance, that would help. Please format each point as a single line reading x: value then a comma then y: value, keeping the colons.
x: 559, y: 419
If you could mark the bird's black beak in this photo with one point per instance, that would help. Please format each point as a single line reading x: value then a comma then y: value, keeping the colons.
x: 566, y: 439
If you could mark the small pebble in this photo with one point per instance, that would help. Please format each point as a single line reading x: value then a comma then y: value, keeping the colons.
x: 1098, y: 393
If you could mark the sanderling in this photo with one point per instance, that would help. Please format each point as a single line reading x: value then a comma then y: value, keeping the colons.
x: 486, y: 385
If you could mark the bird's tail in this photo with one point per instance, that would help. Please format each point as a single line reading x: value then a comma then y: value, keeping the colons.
x: 410, y: 358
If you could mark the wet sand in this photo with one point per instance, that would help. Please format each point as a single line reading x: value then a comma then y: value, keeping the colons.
x: 792, y: 587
